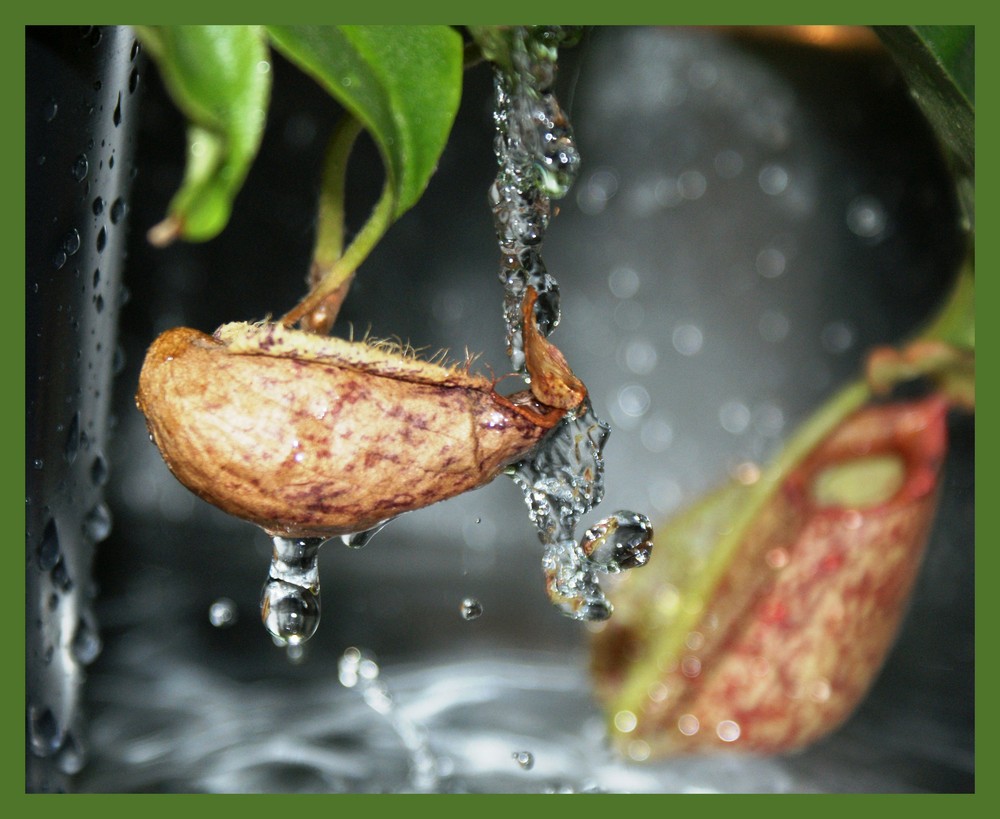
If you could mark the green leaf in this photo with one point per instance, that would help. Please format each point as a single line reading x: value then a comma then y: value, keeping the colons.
x: 939, y: 64
x: 402, y: 82
x: 219, y: 77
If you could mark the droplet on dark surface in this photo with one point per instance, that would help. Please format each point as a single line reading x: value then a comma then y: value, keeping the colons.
x: 81, y: 167
x: 72, y: 446
x: 118, y: 211
x: 71, y: 242
x: 116, y: 117
x: 60, y: 575
x: 50, y: 109
x: 97, y: 524
x: 48, y: 549
x: 98, y: 206
x: 133, y: 81
x: 99, y: 470
x: 86, y: 643
x: 44, y: 732
x: 102, y: 239
x: 471, y: 608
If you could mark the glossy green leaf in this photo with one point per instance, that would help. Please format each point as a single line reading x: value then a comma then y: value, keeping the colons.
x: 939, y: 64
x: 402, y: 82
x: 219, y: 77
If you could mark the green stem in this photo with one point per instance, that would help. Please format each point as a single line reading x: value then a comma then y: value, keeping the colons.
x: 332, y: 270
x: 329, y: 244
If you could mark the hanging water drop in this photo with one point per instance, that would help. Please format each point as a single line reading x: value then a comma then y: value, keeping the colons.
x: 290, y: 603
x: 116, y: 117
x: 50, y: 109
x: 358, y: 540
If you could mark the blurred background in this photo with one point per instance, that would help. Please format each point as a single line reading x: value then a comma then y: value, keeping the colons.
x: 752, y: 214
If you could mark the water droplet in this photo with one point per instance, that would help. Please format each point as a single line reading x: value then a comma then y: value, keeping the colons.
x: 625, y: 721
x: 692, y: 185
x: 71, y: 242
x: 633, y: 400
x: 59, y: 259
x: 728, y: 730
x: 624, y: 282
x: 99, y: 303
x: 71, y: 757
x: 771, y: 263
x: 118, y: 363
x: 99, y: 470
x: 98, y: 206
x: 38, y: 463
x: 49, y: 551
x: 97, y: 524
x: 866, y: 217
x: 60, y: 575
x: 656, y: 434
x: 116, y: 117
x: 773, y: 179
x: 358, y: 540
x: 263, y: 67
x: 728, y: 164
x: 687, y: 339
x: 118, y: 211
x: 640, y: 356
x: 290, y: 601
x: 598, y: 190
x: 622, y: 540
x: 773, y: 326
x: 734, y: 417
x: 837, y: 337
x: 45, y: 734
x: 133, y: 80
x: 102, y: 239
x: 86, y: 643
x: 471, y: 608
x: 72, y: 445
x: 688, y: 724
x: 136, y: 48
x: 80, y: 168
x: 222, y: 613
x: 50, y: 109
x: 524, y: 759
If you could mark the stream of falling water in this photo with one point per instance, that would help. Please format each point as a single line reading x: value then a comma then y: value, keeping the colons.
x: 563, y: 479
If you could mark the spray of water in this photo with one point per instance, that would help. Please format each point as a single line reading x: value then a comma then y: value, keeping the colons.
x: 563, y: 479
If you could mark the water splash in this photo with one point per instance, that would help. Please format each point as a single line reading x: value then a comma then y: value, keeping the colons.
x: 357, y: 669
x: 563, y: 479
